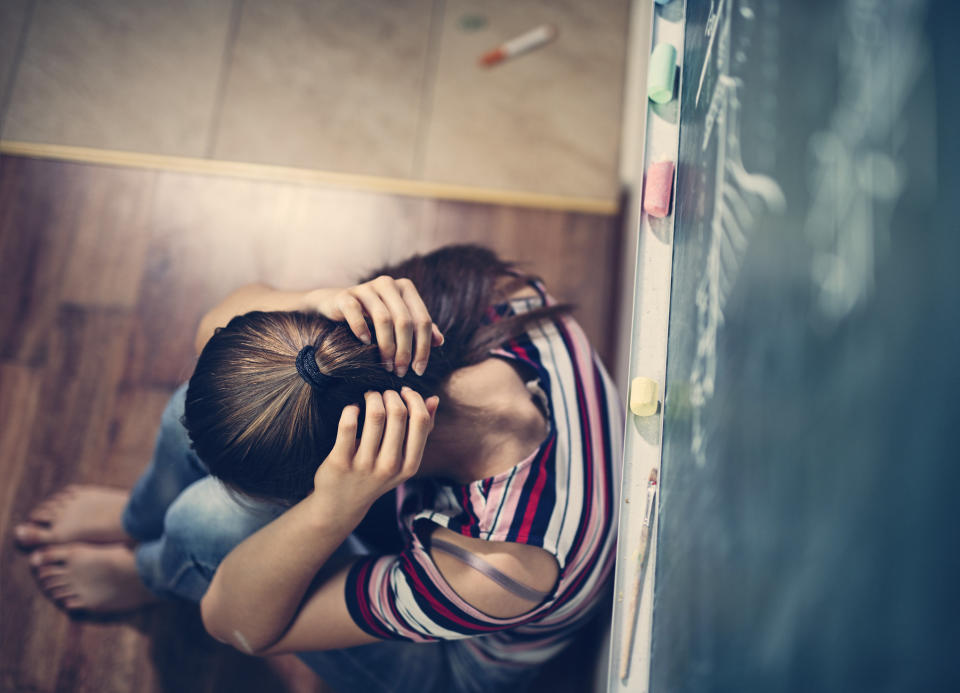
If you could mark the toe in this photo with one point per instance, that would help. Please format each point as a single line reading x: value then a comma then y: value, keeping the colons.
x: 60, y: 591
x: 72, y: 603
x: 59, y: 497
x: 52, y: 554
x: 56, y: 582
x: 33, y: 535
x: 50, y: 570
x: 44, y: 513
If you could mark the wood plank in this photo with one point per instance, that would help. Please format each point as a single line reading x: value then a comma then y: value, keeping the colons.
x: 19, y: 400
x: 68, y: 443
x: 573, y: 253
x: 106, y: 260
x: 84, y: 365
x: 330, y: 238
x: 132, y: 432
x: 100, y: 657
x: 36, y: 234
x: 210, y: 237
x: 206, y: 236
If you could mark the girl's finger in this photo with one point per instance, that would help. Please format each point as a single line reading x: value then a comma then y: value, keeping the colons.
x: 419, y: 424
x: 353, y: 313
x: 422, y: 324
x: 374, y: 418
x: 437, y: 336
x: 346, y: 442
x: 382, y: 322
x: 391, y: 448
x: 402, y: 322
x: 432, y: 403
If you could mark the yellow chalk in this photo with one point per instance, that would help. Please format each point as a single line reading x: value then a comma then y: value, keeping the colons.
x: 643, y: 396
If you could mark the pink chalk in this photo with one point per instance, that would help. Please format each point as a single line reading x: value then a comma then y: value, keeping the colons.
x: 656, y: 193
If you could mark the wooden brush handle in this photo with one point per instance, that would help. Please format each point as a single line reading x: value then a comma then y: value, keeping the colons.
x: 634, y: 603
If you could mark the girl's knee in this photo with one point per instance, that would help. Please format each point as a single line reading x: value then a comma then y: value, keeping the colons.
x: 207, y: 521
x: 173, y: 412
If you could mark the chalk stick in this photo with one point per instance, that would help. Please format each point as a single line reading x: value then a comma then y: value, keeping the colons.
x: 643, y: 396
x: 656, y: 191
x: 660, y: 73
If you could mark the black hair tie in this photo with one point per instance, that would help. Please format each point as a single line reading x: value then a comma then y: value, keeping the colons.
x: 309, y: 371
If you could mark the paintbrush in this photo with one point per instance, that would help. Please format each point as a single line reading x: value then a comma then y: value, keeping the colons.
x: 638, y: 581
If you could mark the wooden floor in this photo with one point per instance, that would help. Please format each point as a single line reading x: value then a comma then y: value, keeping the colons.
x: 104, y: 273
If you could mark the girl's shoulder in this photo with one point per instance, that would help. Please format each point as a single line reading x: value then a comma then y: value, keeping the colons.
x: 529, y: 566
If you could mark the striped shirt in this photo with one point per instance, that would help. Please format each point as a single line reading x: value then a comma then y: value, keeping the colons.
x: 561, y: 498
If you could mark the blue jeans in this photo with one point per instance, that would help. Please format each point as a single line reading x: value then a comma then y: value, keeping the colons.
x: 185, y: 522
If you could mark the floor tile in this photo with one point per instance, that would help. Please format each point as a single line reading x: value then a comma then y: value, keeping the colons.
x: 547, y: 121
x: 135, y: 75
x: 333, y: 85
x: 13, y: 15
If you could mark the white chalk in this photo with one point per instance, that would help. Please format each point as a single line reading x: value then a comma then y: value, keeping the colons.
x: 643, y: 396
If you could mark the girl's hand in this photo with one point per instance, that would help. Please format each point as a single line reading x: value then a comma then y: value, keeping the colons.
x: 395, y: 430
x: 405, y: 331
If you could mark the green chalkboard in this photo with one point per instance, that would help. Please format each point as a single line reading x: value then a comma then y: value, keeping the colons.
x: 808, y: 533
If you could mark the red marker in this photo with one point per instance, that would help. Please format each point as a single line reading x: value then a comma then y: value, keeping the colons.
x: 542, y: 35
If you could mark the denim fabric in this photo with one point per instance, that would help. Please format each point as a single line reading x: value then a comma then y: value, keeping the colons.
x: 186, y: 522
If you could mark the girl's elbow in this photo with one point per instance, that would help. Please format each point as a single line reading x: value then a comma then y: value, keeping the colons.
x: 222, y: 631
x: 211, y: 621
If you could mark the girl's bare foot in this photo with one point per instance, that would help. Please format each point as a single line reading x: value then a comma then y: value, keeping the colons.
x: 90, y: 577
x: 76, y: 513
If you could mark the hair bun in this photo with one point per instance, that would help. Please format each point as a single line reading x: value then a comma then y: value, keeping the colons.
x: 309, y: 371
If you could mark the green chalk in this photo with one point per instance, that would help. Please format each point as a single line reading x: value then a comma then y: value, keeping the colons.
x: 663, y: 64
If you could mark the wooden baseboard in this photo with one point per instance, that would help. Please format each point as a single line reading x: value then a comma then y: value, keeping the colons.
x: 288, y: 174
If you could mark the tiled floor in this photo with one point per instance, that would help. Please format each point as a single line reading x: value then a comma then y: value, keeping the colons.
x: 120, y: 74
x: 548, y: 121
x: 341, y: 91
x: 13, y: 17
x: 352, y: 86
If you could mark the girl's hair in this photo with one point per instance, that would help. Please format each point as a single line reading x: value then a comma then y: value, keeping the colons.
x: 263, y: 430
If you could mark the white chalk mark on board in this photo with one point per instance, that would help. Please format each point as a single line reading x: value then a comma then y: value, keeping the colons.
x: 710, y: 32
x: 853, y: 162
x: 740, y: 197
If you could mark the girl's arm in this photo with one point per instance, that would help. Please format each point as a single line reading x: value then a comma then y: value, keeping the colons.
x: 258, y: 588
x: 404, y: 329
x: 257, y: 297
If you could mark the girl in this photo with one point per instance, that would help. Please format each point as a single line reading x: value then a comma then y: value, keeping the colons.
x: 449, y: 389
